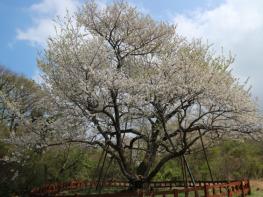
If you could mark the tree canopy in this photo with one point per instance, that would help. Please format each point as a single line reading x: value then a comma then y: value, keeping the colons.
x: 119, y: 80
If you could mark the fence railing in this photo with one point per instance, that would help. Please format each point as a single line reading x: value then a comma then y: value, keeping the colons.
x: 201, y: 189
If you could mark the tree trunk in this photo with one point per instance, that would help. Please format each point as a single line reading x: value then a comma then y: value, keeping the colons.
x: 139, y: 184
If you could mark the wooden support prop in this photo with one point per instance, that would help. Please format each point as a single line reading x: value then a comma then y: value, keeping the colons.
x: 189, y: 171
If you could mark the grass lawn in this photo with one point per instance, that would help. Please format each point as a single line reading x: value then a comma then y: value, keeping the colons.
x: 257, y: 194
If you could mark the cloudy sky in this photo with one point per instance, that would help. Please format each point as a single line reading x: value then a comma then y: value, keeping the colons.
x: 235, y: 25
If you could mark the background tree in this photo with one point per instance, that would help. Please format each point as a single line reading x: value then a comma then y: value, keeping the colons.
x: 130, y: 85
x: 229, y: 160
x: 27, y: 119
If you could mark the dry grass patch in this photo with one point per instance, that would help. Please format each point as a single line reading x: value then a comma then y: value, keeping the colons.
x: 257, y: 185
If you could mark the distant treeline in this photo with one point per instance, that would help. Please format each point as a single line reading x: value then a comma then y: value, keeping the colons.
x: 229, y: 160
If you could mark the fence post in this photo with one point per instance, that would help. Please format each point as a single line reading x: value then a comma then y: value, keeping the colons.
x: 242, y: 188
x: 196, y: 193
x: 140, y: 193
x: 176, y: 193
x: 229, y: 191
x: 206, y: 190
x: 214, y: 191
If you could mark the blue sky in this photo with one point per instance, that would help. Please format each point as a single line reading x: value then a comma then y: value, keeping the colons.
x: 15, y: 15
x: 237, y: 25
x: 16, y: 55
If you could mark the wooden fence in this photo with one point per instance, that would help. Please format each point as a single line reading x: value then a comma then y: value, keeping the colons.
x: 160, y: 189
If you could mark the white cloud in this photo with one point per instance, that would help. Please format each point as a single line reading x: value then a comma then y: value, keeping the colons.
x: 43, y: 14
x: 237, y: 25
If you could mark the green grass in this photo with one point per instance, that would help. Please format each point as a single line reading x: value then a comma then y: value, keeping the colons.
x: 256, y: 193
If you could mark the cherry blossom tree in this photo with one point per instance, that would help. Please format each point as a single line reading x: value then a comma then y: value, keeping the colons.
x: 139, y: 91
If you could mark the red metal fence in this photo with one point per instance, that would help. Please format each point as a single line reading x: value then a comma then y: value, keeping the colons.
x: 201, y: 189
